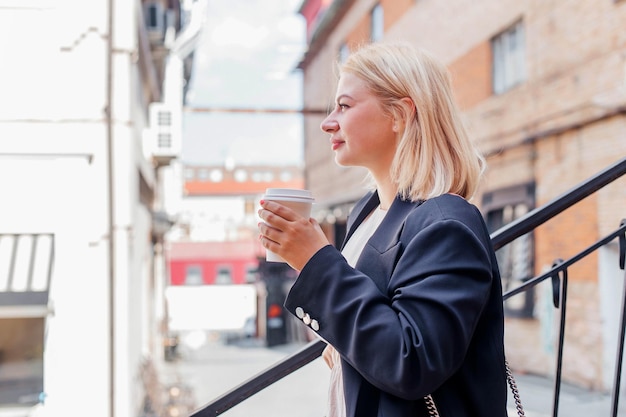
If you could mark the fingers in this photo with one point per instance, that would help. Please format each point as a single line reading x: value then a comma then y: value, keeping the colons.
x: 278, y: 219
x: 270, y: 208
x: 265, y: 233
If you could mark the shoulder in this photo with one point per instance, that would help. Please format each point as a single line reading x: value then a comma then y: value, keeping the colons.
x: 450, y: 205
x: 446, y: 209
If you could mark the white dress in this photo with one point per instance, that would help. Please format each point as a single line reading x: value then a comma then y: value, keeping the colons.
x: 351, y: 251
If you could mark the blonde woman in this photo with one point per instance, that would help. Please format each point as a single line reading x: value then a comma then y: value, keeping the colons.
x: 411, y: 305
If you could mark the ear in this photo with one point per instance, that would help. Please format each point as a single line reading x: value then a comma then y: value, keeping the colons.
x: 408, y: 106
x: 407, y: 111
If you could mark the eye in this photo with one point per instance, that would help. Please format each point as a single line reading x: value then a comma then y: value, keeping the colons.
x: 342, y: 106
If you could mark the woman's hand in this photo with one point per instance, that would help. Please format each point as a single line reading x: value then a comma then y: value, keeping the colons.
x: 289, y: 235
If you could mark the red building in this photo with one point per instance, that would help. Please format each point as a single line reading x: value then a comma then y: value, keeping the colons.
x: 235, y: 259
x: 205, y: 263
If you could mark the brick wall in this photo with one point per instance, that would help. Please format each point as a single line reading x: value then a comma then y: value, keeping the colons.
x: 555, y: 129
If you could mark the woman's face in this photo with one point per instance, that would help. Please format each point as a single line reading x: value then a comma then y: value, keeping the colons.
x: 361, y: 134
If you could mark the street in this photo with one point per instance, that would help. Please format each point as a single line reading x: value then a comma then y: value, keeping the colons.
x: 218, y: 366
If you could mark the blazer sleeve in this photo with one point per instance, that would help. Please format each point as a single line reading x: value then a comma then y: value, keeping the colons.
x: 409, y: 340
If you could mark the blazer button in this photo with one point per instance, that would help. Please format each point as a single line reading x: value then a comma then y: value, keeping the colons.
x: 299, y: 312
x: 306, y: 319
x: 315, y: 325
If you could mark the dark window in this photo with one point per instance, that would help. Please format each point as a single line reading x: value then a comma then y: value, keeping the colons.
x: 153, y: 16
x: 516, y: 260
x: 224, y: 275
x: 193, y: 275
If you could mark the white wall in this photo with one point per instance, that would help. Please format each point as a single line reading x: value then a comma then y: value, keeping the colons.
x: 54, y: 178
x: 53, y: 195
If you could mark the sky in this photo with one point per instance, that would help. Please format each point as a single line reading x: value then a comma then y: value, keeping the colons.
x: 246, y: 58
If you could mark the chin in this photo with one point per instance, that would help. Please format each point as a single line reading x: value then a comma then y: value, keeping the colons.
x: 342, y: 163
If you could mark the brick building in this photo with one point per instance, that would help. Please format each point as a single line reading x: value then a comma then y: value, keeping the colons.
x: 542, y: 87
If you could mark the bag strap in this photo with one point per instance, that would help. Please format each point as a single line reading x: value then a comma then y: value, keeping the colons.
x: 432, y: 408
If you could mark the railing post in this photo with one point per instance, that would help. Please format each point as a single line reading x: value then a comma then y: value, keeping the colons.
x: 563, y: 303
x: 617, y: 378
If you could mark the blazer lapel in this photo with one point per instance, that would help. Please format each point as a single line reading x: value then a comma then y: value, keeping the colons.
x: 361, y: 209
x: 388, y: 232
x: 380, y: 255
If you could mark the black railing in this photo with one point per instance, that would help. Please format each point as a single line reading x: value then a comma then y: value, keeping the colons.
x: 559, y: 278
x: 505, y: 235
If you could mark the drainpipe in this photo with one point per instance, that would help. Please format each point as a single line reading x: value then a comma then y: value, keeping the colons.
x: 111, y: 205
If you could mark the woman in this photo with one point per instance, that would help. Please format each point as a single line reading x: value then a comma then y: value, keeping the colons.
x: 412, y: 305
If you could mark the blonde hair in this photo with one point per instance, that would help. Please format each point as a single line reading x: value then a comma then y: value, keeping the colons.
x: 434, y: 154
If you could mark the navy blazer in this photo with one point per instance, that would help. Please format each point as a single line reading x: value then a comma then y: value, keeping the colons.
x: 421, y: 313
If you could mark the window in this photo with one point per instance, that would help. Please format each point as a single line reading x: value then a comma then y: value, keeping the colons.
x: 21, y: 361
x: 224, y: 276
x: 154, y: 16
x: 344, y: 51
x: 25, y: 273
x: 203, y: 174
x: 241, y: 175
x: 216, y: 175
x: 190, y: 173
x: 515, y: 260
x: 251, y: 273
x: 508, y: 59
x: 286, y: 176
x: 250, y: 207
x: 193, y: 275
x: 377, y: 23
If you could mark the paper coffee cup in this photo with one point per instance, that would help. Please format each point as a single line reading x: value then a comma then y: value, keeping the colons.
x: 299, y: 201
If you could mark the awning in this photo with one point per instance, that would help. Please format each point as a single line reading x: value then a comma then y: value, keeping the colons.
x: 26, y: 262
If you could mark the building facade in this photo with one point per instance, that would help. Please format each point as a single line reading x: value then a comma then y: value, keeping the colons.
x: 213, y: 248
x: 543, y: 93
x: 91, y: 95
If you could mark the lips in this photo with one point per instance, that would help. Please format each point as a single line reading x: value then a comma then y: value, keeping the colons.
x: 336, y: 143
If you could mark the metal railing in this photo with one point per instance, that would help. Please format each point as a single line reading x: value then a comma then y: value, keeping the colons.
x: 505, y: 235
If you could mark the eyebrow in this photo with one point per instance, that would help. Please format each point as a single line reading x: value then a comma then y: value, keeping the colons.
x: 343, y: 96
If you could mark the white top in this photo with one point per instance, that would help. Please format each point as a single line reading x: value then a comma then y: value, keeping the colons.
x: 351, y: 251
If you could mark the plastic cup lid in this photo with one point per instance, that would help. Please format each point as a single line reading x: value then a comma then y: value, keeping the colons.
x: 288, y: 193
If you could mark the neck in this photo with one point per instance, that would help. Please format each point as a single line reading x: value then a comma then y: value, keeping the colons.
x: 387, y: 192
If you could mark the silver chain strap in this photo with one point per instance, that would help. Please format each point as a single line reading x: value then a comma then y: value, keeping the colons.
x: 430, y: 405
x: 513, y: 385
x: 432, y: 408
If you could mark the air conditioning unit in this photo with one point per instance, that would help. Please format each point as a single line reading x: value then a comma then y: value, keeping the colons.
x: 165, y: 132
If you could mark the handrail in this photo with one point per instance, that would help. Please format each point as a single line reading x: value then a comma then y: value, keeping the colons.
x: 558, y: 270
x: 500, y: 238
x: 540, y: 215
x: 562, y: 266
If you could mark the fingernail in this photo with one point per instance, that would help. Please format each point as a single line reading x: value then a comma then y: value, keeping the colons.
x: 262, y: 202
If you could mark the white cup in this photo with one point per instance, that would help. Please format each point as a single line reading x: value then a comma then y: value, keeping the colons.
x: 299, y: 201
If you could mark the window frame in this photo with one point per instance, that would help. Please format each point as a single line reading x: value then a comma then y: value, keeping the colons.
x: 516, y: 260
x: 508, y: 58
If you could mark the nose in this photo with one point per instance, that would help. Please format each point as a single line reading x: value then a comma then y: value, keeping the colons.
x: 329, y: 124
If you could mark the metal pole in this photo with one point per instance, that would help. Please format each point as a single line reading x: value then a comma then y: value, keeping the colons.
x: 111, y: 205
